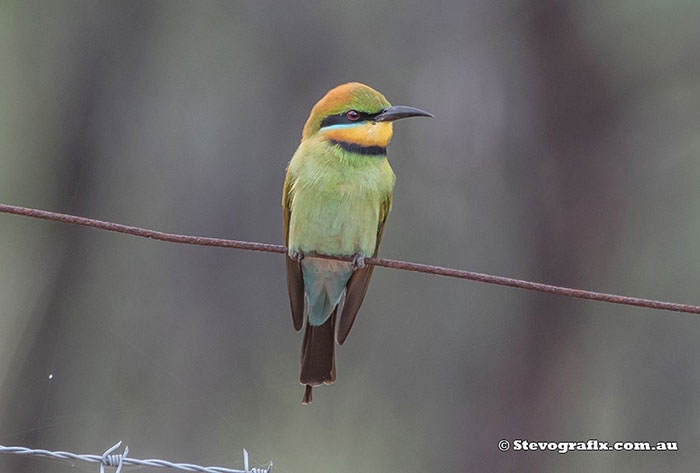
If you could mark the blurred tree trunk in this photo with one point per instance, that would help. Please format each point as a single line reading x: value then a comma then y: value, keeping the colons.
x: 79, y: 118
x: 561, y: 177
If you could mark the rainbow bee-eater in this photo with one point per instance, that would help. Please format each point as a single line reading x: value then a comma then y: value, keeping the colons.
x: 337, y: 195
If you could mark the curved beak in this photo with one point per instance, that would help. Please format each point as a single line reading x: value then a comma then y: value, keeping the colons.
x: 398, y: 112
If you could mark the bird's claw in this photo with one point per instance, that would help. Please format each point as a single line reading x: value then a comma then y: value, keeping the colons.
x: 358, y: 262
x: 296, y: 256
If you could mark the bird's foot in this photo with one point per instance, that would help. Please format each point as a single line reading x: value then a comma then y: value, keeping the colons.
x: 296, y: 255
x: 358, y: 262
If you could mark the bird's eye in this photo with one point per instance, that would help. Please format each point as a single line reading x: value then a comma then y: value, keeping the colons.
x: 353, y: 115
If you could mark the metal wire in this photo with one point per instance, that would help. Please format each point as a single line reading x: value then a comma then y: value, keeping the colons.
x: 119, y: 460
x: 387, y: 263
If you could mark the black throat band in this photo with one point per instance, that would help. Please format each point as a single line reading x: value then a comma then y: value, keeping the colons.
x: 359, y: 149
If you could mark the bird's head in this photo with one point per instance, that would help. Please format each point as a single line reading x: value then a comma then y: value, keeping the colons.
x: 357, y: 118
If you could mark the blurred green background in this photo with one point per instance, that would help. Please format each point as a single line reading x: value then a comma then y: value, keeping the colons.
x: 564, y: 150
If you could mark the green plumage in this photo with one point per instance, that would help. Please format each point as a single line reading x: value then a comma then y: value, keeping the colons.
x: 337, y: 195
x: 336, y: 202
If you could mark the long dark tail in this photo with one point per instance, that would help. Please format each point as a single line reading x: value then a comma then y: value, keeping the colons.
x: 318, y: 355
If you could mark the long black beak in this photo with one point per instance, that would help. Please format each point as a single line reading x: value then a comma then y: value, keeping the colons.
x: 398, y: 112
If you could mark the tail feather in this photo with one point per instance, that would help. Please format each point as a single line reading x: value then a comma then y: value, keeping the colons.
x: 318, y: 355
x: 306, y: 400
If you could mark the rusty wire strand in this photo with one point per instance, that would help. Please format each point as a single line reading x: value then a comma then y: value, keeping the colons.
x: 387, y: 263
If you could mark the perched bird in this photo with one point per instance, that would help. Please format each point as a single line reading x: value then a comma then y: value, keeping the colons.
x: 337, y: 194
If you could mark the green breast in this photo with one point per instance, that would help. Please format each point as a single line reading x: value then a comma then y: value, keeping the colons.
x: 335, y: 200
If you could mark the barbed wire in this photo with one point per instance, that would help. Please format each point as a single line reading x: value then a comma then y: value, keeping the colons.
x: 387, y: 263
x: 119, y: 460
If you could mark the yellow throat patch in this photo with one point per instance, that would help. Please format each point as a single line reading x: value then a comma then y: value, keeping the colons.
x: 363, y: 134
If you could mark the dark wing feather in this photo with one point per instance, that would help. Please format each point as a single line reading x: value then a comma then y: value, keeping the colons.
x: 295, y: 280
x: 359, y: 282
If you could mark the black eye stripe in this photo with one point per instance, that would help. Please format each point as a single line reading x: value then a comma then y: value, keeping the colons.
x: 342, y: 118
